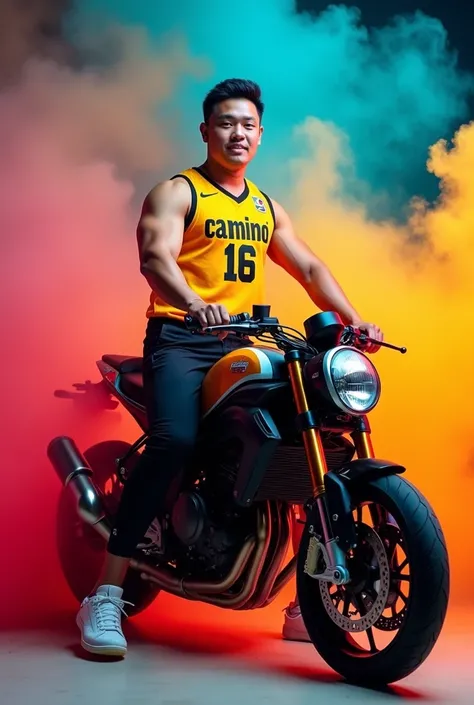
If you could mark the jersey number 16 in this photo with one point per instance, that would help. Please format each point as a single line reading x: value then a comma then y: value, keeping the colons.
x: 245, y: 269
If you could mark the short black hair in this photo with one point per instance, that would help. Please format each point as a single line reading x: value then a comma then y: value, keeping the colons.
x: 233, y: 88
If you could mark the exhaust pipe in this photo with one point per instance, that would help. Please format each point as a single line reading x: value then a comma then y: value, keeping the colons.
x: 76, y: 474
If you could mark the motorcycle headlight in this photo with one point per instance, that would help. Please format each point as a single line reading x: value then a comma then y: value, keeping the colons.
x: 347, y: 378
x: 352, y: 380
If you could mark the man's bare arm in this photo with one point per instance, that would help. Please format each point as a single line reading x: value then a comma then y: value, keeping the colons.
x: 160, y: 237
x: 296, y: 258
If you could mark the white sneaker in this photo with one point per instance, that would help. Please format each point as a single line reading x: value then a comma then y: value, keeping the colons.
x: 293, y: 626
x: 99, y: 620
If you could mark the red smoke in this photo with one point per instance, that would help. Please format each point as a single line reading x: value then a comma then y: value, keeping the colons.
x: 67, y: 298
x: 70, y: 291
x: 70, y: 285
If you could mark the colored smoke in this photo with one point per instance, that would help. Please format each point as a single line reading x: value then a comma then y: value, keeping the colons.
x: 416, y: 281
x: 70, y: 286
x: 93, y: 119
x: 394, y: 91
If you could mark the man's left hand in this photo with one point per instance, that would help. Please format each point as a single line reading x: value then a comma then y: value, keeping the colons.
x: 372, y: 331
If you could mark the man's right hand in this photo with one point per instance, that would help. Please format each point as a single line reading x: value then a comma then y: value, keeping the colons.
x: 208, y: 314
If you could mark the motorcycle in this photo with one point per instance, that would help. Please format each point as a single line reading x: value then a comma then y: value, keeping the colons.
x: 284, y: 425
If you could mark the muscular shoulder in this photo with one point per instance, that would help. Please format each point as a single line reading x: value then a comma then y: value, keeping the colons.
x: 170, y: 195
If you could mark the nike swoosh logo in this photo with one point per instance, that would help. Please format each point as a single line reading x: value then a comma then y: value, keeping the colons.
x: 206, y: 195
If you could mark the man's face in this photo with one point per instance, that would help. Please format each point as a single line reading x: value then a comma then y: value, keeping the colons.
x: 233, y: 133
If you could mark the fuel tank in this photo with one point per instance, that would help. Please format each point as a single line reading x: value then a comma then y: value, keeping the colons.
x: 258, y: 365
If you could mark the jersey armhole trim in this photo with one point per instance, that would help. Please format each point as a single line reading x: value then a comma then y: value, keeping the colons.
x: 192, y: 209
x: 270, y: 205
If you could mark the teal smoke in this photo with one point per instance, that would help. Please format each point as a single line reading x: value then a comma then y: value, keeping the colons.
x: 393, y: 91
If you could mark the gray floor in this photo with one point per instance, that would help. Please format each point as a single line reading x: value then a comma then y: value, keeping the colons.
x: 189, y: 660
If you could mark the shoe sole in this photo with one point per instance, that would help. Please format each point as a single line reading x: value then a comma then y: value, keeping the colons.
x: 289, y: 634
x: 104, y: 650
x: 297, y: 637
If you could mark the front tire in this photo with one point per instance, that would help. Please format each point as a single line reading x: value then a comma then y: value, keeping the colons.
x: 421, y: 619
x: 81, y: 550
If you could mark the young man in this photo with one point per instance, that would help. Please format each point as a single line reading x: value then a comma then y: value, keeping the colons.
x: 197, y: 256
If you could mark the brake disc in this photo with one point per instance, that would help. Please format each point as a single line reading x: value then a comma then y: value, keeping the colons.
x: 390, y: 624
x: 372, y: 539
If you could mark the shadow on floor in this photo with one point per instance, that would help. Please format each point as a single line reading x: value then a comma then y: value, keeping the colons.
x: 188, y: 639
x: 242, y: 650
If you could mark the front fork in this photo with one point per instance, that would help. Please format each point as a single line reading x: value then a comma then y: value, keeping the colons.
x: 335, y: 560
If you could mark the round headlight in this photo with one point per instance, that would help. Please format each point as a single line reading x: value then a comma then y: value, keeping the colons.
x: 352, y: 380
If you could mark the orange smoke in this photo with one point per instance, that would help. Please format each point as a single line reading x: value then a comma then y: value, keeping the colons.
x: 70, y: 291
x: 417, y: 283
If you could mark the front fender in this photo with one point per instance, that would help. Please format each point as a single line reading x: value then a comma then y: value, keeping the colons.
x: 366, y: 469
x: 338, y: 485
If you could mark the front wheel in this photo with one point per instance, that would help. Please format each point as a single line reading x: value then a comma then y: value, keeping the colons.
x: 383, y: 624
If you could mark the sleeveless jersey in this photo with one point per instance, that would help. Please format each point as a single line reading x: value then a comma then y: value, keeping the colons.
x: 224, y: 246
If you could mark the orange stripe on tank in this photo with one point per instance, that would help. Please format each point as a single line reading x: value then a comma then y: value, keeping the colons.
x: 228, y: 371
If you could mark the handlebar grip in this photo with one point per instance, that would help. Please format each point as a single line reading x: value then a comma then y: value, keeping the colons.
x: 239, y: 318
x: 193, y: 324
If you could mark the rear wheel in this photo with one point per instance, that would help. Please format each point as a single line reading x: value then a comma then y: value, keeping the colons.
x: 382, y: 625
x: 81, y: 549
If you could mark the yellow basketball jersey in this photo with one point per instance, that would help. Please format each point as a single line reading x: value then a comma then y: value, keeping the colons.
x: 224, y: 246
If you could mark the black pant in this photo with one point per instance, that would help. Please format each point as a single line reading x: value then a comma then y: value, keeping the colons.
x: 175, y: 363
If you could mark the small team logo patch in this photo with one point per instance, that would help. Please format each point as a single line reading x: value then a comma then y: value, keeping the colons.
x: 239, y: 367
x: 259, y: 204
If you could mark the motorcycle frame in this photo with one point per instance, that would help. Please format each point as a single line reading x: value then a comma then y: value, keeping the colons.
x: 328, y: 510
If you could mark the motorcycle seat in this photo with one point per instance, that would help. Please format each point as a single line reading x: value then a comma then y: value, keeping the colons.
x: 124, y: 364
x: 131, y: 384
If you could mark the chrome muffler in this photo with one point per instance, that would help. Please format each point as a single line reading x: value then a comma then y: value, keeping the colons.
x: 76, y: 474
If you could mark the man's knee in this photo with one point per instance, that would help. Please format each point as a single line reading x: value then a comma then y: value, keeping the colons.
x: 174, y: 443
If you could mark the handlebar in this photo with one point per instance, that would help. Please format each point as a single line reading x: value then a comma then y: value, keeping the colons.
x: 243, y: 323
x: 363, y: 339
x: 193, y: 324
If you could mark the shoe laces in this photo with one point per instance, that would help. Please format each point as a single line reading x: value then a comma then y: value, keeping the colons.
x: 293, y: 609
x: 107, y: 611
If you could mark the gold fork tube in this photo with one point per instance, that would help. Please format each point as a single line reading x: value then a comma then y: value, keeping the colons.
x: 311, y: 437
x: 363, y: 444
